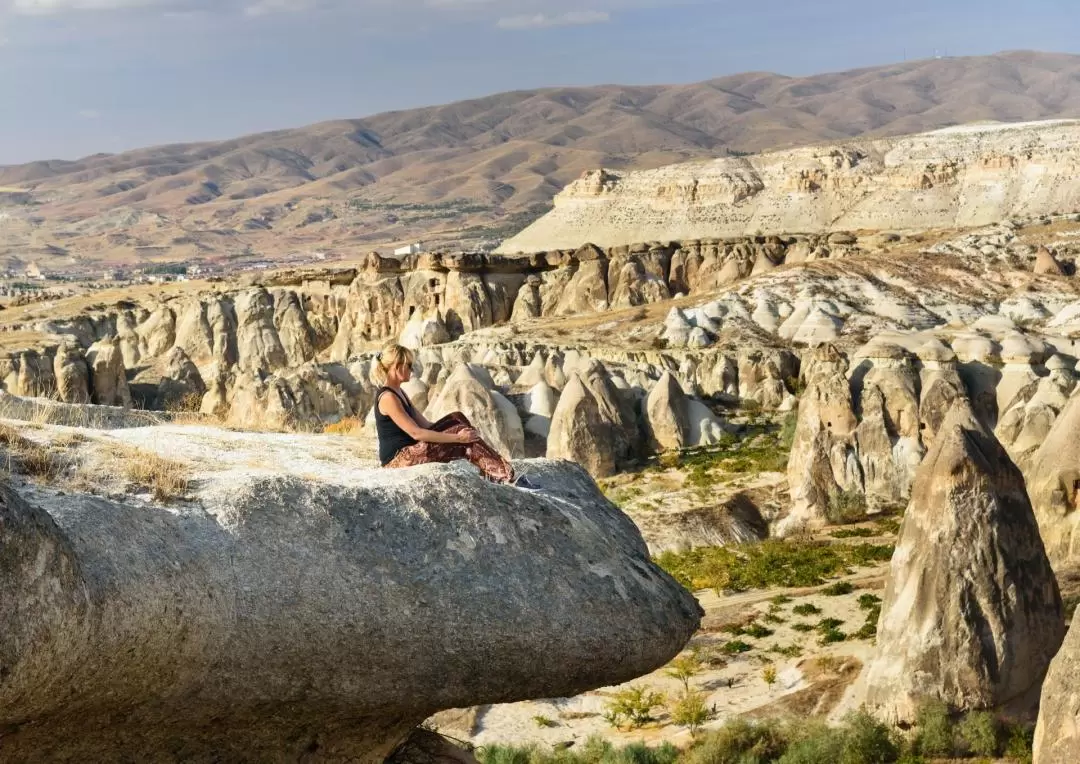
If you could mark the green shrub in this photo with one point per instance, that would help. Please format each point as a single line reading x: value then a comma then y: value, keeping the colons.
x: 860, y: 739
x: 853, y: 533
x: 846, y: 507
x: 979, y: 731
x: 838, y: 589
x: 1019, y: 742
x: 867, y: 631
x: 933, y: 730
x: 768, y: 564
x: 828, y: 624
x: 691, y: 711
x: 639, y: 753
x: 739, y: 741
x: 505, y: 754
x: 888, y: 526
x: 869, y: 601
x: 807, y: 608
x: 632, y: 707
x: 735, y: 647
x: 867, y: 741
x: 684, y: 668
x: 788, y: 651
x: 774, y: 618
x: 812, y: 742
x: 831, y: 637
x: 768, y: 673
x: 780, y: 599
x: 803, y: 627
x: 758, y: 631
x: 787, y: 430
x: 543, y: 721
x: 734, y: 629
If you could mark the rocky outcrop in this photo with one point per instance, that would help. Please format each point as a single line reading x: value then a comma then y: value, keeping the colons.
x: 489, y: 411
x: 296, y: 618
x: 824, y: 461
x: 1057, y: 735
x: 590, y: 425
x: 907, y: 183
x: 972, y: 614
x: 107, y: 375
x: 1028, y: 420
x: 72, y: 375
x: 1054, y: 485
x: 667, y: 416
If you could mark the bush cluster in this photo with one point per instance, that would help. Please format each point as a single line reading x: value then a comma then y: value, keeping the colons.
x: 771, y: 563
x: 859, y: 739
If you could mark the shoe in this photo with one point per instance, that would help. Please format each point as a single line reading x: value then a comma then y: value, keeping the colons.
x: 525, y: 484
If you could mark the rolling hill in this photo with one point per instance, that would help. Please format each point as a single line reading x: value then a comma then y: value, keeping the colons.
x: 479, y: 169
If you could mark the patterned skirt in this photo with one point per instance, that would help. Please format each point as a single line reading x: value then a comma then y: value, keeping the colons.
x: 486, y: 458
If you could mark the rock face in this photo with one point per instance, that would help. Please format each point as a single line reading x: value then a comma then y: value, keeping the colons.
x: 1057, y: 735
x: 590, y: 425
x: 293, y: 619
x: 666, y: 410
x: 1054, y: 484
x: 823, y: 460
x: 972, y: 614
x: 911, y: 182
x: 108, y: 375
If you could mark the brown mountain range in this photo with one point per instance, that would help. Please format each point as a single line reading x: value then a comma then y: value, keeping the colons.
x: 457, y: 174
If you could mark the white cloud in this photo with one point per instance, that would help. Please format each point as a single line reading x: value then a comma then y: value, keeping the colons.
x: 544, y: 21
x: 265, y: 7
x: 89, y: 113
x: 59, y: 6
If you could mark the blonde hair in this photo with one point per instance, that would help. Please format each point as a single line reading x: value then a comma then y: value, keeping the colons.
x: 392, y: 357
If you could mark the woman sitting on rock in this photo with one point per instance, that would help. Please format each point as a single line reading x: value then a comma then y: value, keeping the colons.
x: 406, y: 438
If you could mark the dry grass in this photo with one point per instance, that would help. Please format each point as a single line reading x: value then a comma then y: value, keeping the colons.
x: 166, y: 479
x: 43, y: 462
x: 350, y: 425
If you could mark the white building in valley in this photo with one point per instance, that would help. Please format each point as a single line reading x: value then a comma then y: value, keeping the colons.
x: 411, y: 249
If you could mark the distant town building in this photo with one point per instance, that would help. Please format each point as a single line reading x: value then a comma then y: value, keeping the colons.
x: 33, y: 271
x: 411, y: 249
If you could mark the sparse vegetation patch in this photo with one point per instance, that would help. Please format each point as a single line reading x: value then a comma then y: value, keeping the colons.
x: 771, y: 563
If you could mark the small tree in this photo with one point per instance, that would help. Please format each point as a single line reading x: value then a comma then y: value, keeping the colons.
x: 980, y: 731
x: 632, y: 707
x: 691, y: 711
x: 769, y: 675
x: 684, y: 668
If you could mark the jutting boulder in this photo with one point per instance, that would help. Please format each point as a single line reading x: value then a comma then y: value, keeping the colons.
x: 279, y: 618
x: 972, y: 615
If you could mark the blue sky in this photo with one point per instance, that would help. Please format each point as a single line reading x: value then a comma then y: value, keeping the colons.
x: 85, y: 76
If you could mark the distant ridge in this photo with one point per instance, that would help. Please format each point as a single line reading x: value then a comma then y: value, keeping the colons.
x: 480, y: 169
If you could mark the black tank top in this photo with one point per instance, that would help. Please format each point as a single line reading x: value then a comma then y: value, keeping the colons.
x: 391, y: 437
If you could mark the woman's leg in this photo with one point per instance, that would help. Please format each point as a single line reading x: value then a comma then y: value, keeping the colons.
x: 490, y: 462
x: 484, y: 457
x: 427, y: 453
x: 456, y: 419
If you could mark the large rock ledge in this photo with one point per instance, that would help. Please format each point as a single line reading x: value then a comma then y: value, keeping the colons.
x: 284, y: 618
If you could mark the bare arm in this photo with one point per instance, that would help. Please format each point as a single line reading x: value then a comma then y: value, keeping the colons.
x: 390, y: 405
x: 420, y: 418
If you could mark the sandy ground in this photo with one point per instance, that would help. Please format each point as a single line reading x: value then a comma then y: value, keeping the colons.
x: 813, y: 682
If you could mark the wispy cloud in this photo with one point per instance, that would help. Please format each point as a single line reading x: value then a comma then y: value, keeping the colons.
x: 266, y: 7
x: 89, y: 114
x: 59, y: 6
x: 544, y: 20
